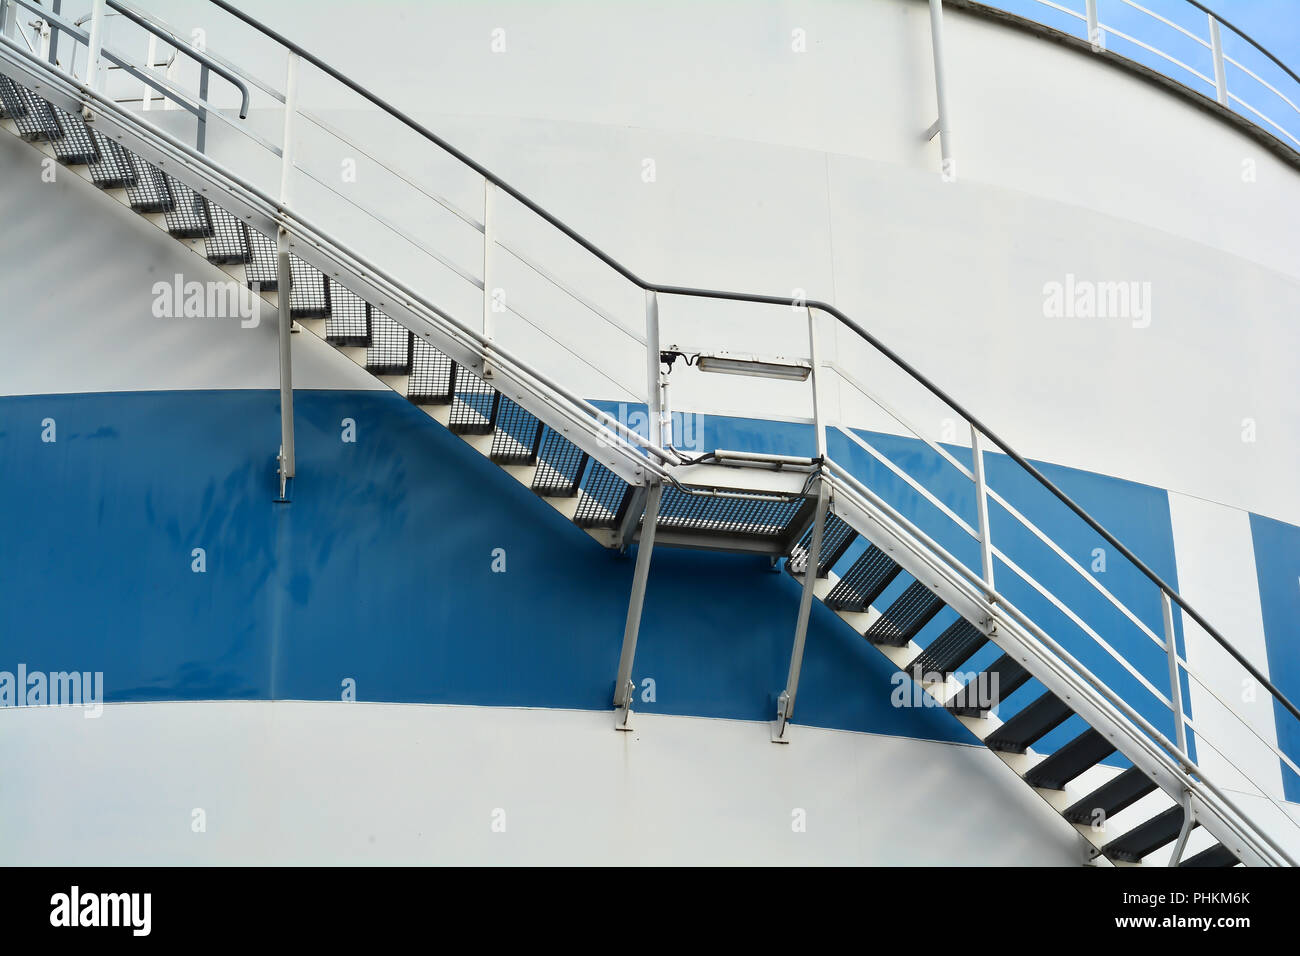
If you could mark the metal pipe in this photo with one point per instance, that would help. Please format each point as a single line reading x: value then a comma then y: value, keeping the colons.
x: 941, y: 87
x: 654, y: 381
x: 284, y: 278
x: 640, y: 576
x: 819, y: 426
x: 1094, y: 26
x: 489, y: 240
x: 95, y: 43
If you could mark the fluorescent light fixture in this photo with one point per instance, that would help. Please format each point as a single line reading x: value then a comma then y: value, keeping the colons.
x: 753, y: 365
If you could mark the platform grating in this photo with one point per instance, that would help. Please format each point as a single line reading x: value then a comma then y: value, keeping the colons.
x: 727, y: 512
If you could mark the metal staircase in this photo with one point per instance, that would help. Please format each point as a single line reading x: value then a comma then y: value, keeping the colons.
x: 1127, y: 787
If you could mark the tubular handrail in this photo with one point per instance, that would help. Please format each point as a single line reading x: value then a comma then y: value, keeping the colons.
x: 1245, y: 36
x: 825, y: 307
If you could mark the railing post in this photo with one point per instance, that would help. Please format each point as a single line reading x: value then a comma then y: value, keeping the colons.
x: 57, y: 7
x: 1220, y: 70
x: 785, y: 701
x: 146, y: 102
x: 1175, y: 683
x: 284, y: 284
x: 1095, y: 38
x: 815, y: 379
x: 95, y: 43
x: 659, y: 429
x: 202, y: 138
x: 489, y: 240
x: 982, y: 510
x: 942, y: 126
x: 623, y: 686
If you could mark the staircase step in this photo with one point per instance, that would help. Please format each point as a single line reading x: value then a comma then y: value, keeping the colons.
x: 1111, y: 797
x: 152, y: 192
x: 605, y: 497
x: 348, y: 323
x: 34, y: 117
x: 474, y: 405
x: 1216, y: 856
x: 837, y: 536
x: 190, y: 216
x: 998, y: 681
x: 950, y: 649
x: 864, y: 581
x: 1018, y: 733
x: 1146, y: 837
x: 390, y: 348
x: 115, y: 168
x: 433, y: 375
x: 904, y: 618
x: 560, y: 465
x: 76, y: 147
x: 518, y: 433
x: 1084, y: 751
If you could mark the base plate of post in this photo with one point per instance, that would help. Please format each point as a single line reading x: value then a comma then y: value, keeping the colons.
x: 781, y: 726
x: 623, y: 717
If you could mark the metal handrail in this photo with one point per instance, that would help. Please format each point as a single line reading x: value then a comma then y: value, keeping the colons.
x: 825, y: 307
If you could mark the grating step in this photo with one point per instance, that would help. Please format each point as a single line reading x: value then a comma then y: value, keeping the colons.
x: 1146, y: 837
x: 1084, y: 751
x: 837, y: 536
x: 36, y: 119
x: 474, y: 404
x: 390, y: 347
x: 1112, y: 797
x: 115, y: 168
x: 518, y: 433
x: 12, y: 104
x: 709, y: 510
x: 904, y: 618
x: 348, y: 324
x: 560, y: 464
x: 230, y: 241
x: 1217, y: 855
x: 76, y: 147
x: 189, y: 217
x: 152, y: 191
x: 433, y: 375
x: 863, y: 582
x: 605, y: 497
x: 1015, y: 736
x: 950, y: 649
x: 995, y: 684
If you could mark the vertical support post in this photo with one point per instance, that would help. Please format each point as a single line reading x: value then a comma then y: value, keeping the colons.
x: 489, y: 240
x: 815, y: 379
x: 1189, y: 817
x: 57, y: 7
x: 1091, y: 17
x: 943, y: 125
x: 1175, y: 682
x: 43, y: 38
x: 202, y: 139
x: 660, y: 432
x: 623, y: 686
x: 982, y: 511
x: 284, y: 280
x: 6, y: 17
x: 146, y: 102
x: 785, y: 701
x: 95, y: 44
x: 1220, y: 70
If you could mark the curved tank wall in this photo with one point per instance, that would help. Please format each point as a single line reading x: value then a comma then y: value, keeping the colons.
x: 775, y: 171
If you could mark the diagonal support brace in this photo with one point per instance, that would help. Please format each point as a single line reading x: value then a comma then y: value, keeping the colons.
x: 623, y: 686
x: 812, y: 560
